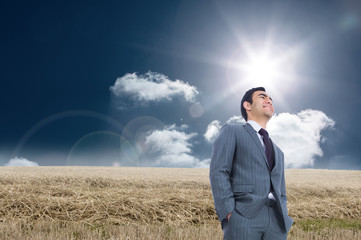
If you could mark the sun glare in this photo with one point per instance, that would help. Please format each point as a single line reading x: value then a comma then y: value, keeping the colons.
x: 261, y: 64
x: 256, y: 64
x: 261, y: 69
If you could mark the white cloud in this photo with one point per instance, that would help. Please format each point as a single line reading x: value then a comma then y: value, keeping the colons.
x: 299, y: 136
x: 236, y: 119
x: 183, y: 126
x: 152, y: 87
x: 203, y: 164
x: 171, y: 147
x: 212, y: 131
x: 215, y: 126
x: 21, y: 162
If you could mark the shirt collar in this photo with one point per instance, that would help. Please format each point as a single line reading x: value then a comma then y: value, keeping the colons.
x: 255, y: 125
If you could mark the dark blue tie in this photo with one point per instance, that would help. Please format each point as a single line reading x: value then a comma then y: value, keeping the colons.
x: 269, y: 148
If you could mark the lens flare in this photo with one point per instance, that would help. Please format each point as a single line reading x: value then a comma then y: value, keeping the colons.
x: 61, y: 115
x: 95, y: 149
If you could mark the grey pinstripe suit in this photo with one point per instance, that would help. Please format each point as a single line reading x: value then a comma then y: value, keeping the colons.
x: 240, y: 178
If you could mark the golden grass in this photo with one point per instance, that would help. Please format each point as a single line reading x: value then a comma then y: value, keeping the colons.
x: 159, y: 203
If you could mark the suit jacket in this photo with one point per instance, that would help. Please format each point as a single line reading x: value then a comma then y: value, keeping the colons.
x: 240, y: 177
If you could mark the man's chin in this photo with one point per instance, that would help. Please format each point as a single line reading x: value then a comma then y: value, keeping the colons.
x: 269, y: 115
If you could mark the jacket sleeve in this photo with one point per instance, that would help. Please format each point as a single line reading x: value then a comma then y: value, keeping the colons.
x: 220, y: 170
x: 288, y: 220
x: 283, y: 186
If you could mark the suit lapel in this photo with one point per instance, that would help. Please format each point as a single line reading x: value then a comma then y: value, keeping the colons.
x: 256, y: 140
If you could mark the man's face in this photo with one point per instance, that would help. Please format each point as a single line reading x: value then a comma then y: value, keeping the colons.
x: 262, y: 105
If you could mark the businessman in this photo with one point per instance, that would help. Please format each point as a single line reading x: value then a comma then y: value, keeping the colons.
x: 247, y: 175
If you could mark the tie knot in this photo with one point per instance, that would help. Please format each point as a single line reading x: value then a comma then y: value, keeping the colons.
x: 263, y: 132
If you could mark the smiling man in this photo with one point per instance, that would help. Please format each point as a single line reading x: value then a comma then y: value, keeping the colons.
x: 247, y: 175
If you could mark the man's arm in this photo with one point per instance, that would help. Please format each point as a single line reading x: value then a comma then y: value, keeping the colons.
x: 288, y: 220
x: 283, y: 185
x: 220, y: 170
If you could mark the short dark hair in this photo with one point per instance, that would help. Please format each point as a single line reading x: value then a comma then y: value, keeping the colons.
x: 248, y: 98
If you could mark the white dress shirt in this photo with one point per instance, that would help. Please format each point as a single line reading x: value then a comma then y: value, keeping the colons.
x: 257, y: 127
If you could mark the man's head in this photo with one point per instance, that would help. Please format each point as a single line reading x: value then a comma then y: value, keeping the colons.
x: 256, y: 104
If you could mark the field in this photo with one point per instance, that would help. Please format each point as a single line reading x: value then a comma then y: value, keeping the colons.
x: 159, y: 203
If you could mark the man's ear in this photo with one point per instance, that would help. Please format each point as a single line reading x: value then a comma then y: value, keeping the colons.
x: 247, y: 105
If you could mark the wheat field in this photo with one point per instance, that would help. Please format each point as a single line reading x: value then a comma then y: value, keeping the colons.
x: 160, y: 203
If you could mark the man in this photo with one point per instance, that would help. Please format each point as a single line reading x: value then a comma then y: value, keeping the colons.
x: 247, y: 175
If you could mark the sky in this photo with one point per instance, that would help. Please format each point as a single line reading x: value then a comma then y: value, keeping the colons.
x: 151, y: 83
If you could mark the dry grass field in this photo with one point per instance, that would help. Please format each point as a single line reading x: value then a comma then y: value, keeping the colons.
x: 159, y: 203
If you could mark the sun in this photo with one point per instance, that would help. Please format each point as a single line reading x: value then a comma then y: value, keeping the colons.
x: 264, y: 64
x: 261, y: 68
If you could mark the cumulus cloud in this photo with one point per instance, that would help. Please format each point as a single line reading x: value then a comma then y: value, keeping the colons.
x: 19, y: 162
x: 171, y: 147
x: 298, y: 135
x: 236, y: 119
x: 215, y: 126
x: 212, y: 131
x: 152, y: 86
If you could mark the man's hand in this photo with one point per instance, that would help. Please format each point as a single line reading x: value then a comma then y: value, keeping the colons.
x: 229, y: 215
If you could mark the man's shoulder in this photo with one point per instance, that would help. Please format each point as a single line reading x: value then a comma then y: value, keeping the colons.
x: 234, y: 127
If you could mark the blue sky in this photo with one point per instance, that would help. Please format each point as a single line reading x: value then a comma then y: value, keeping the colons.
x: 140, y: 83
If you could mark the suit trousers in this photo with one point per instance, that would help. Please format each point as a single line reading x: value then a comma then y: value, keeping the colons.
x: 266, y: 225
